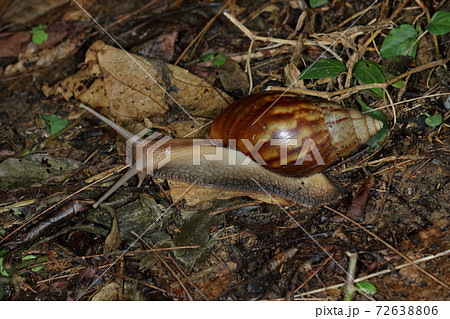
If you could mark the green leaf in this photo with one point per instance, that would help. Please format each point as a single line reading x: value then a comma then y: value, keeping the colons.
x: 37, y: 260
x: 439, y: 23
x: 317, y: 3
x: 38, y: 35
x: 324, y: 68
x: 28, y: 257
x: 38, y: 268
x: 54, y: 123
x: 369, y: 72
x: 207, y: 57
x: 38, y: 28
x: 434, y: 120
x: 219, y: 59
x: 3, y: 271
x: 366, y: 287
x: 400, y: 41
x: 380, y: 136
x: 149, y: 132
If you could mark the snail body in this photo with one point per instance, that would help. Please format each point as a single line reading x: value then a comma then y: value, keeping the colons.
x: 250, y: 124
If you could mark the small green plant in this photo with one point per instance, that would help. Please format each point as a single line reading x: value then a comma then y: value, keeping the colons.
x: 217, y: 58
x: 432, y: 120
x: 317, y: 3
x: 439, y: 23
x: 54, y: 123
x: 323, y: 68
x: 402, y: 40
x: 35, y: 260
x: 366, y: 287
x: 38, y: 34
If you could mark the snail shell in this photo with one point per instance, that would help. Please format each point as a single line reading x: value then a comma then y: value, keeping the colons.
x: 336, y: 131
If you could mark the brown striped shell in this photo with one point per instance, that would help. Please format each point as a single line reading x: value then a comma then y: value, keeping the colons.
x: 336, y: 131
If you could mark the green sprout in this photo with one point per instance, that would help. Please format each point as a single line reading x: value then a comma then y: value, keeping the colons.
x: 38, y: 35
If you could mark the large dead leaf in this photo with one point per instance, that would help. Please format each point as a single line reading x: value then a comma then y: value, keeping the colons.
x: 131, y: 87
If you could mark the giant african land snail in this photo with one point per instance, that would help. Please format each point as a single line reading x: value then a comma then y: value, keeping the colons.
x: 253, y: 124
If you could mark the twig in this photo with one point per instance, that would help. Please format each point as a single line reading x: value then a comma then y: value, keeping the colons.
x: 201, y: 33
x: 165, y: 264
x: 55, y: 205
x: 129, y: 15
x: 42, y: 144
x: 383, y: 272
x: 363, y: 48
x: 407, y: 101
x: 353, y: 90
x: 437, y: 280
x: 313, y: 274
x: 355, y: 30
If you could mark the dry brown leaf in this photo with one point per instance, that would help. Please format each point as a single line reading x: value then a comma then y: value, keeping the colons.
x: 129, y: 93
x: 233, y: 77
x: 108, y: 292
x: 112, y: 241
x: 162, y: 47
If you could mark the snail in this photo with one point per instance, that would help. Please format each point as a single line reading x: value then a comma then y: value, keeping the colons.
x: 263, y: 143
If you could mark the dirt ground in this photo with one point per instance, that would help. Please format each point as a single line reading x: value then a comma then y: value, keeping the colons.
x: 142, y: 246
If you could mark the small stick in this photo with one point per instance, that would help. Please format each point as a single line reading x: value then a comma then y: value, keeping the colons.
x: 437, y: 280
x: 382, y: 272
x: 202, y: 33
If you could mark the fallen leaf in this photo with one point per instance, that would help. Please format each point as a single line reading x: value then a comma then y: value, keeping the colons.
x: 47, y: 225
x: 125, y: 91
x: 357, y: 204
x: 232, y: 77
x: 162, y: 47
x: 34, y: 168
x: 112, y: 241
x: 14, y: 43
x: 108, y: 292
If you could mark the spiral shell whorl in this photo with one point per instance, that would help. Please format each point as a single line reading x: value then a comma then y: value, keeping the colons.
x: 335, y: 130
